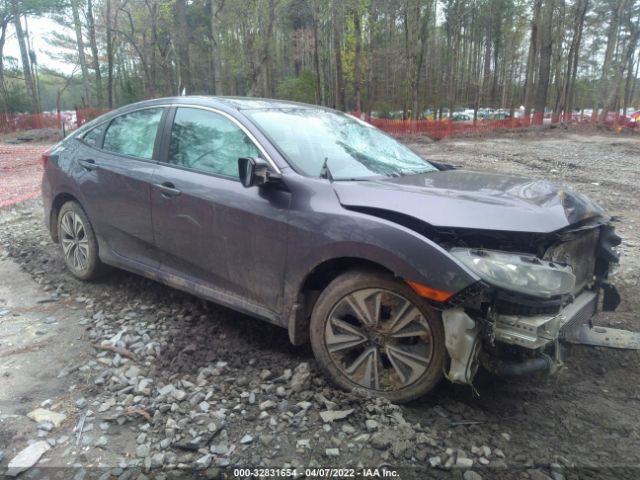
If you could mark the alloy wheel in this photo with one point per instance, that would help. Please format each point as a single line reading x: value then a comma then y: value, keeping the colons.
x: 379, y: 339
x: 75, y: 243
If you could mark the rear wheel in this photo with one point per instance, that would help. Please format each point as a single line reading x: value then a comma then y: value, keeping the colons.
x: 371, y: 331
x: 79, y: 243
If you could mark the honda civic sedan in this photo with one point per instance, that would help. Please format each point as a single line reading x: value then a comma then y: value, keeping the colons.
x: 398, y: 270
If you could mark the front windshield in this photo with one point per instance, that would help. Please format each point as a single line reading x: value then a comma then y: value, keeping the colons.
x: 351, y: 148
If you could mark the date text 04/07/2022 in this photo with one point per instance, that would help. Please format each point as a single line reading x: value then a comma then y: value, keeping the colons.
x: 378, y: 472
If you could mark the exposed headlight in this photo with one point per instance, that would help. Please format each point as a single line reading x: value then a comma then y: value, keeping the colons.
x: 517, y: 272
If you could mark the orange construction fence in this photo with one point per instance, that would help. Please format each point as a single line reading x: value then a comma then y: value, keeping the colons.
x: 436, y: 129
x: 69, y: 119
x: 446, y: 127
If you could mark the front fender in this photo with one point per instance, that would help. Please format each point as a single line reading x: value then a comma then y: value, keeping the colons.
x: 316, y: 237
x: 404, y: 253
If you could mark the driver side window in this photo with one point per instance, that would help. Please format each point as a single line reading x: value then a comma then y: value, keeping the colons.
x: 209, y: 142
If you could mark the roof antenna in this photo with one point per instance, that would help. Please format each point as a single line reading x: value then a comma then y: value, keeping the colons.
x: 325, y: 172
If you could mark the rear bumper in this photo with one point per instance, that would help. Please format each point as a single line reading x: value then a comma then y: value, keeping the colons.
x: 47, y: 203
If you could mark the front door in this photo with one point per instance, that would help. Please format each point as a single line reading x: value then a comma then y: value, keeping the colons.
x: 207, y: 226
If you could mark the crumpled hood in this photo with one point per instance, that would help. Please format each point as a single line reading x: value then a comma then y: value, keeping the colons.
x: 478, y: 200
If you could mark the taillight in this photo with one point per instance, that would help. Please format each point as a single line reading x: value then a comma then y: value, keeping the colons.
x: 44, y: 158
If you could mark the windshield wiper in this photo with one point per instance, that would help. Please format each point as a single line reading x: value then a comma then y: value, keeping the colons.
x: 325, y: 172
x: 352, y: 179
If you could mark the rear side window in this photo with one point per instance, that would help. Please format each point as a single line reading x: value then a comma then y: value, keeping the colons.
x: 134, y: 134
x: 92, y: 137
x: 209, y: 142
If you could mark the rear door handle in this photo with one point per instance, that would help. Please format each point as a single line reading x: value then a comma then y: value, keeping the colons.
x: 168, y: 189
x: 88, y: 164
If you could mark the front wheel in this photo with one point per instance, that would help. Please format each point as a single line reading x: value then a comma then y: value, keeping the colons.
x: 371, y: 331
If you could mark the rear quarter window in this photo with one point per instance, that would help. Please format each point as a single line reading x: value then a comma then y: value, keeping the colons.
x: 92, y: 137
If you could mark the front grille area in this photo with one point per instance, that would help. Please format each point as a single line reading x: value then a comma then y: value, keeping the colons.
x: 579, y: 253
x: 509, y: 305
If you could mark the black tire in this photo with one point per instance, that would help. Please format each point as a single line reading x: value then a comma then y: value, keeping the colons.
x: 374, y: 289
x: 87, y: 266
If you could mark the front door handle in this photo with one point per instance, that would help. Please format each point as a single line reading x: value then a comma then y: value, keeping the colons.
x: 88, y: 164
x: 168, y: 189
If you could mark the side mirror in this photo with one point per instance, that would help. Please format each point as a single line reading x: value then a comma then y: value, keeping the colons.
x: 254, y: 171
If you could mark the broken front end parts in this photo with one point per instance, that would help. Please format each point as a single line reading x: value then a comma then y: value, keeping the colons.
x: 513, y: 321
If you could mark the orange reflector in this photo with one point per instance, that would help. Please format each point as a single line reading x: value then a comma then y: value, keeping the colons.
x: 430, y: 293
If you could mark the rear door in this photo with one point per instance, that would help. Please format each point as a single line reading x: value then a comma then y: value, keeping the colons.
x: 207, y: 226
x: 117, y: 184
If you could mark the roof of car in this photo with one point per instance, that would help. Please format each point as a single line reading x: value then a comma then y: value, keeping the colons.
x: 249, y: 103
x: 238, y: 103
x: 222, y: 103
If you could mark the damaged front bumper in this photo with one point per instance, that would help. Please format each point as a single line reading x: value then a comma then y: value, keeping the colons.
x: 571, y: 325
x: 512, y: 345
x: 512, y: 333
x: 538, y: 331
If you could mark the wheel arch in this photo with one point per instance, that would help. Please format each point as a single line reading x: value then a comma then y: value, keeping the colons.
x: 315, y: 282
x: 59, y: 200
x: 396, y: 251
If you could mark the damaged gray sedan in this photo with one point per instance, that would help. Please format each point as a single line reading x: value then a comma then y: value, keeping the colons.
x: 397, y: 270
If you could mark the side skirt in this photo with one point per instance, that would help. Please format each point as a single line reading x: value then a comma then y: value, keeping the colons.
x: 198, y: 289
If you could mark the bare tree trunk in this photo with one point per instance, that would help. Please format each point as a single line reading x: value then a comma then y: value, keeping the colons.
x: 182, y: 42
x: 26, y: 66
x: 151, y: 47
x: 634, y: 80
x: 356, y: 60
x: 572, y: 60
x: 269, y: 87
x: 110, y: 47
x: 337, y: 47
x: 416, y: 23
x: 612, y: 43
x: 82, y: 59
x: 423, y: 33
x: 496, y: 58
x: 3, y: 37
x: 316, y: 56
x: 34, y: 63
x: 613, y: 101
x: 627, y: 85
x: 531, y: 60
x: 91, y: 25
x: 214, y: 50
x: 371, y: 77
x: 546, y: 49
x: 144, y: 63
x: 559, y: 80
x: 512, y: 69
x: 487, y: 69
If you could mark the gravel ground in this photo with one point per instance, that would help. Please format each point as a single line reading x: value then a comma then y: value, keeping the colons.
x: 175, y: 386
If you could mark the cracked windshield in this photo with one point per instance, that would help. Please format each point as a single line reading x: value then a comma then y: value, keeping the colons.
x: 351, y: 149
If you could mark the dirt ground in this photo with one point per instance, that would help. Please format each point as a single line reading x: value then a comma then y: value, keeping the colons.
x: 153, y: 383
x: 20, y: 172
